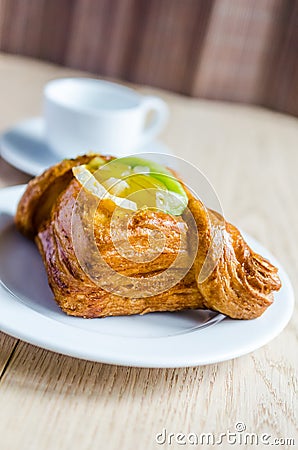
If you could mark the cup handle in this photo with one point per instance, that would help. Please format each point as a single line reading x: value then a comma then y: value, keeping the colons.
x: 161, y: 114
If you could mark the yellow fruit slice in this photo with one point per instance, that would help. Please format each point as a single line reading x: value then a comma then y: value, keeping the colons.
x: 141, y: 183
x: 91, y: 184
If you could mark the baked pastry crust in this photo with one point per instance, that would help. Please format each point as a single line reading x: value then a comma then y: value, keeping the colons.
x: 239, y: 283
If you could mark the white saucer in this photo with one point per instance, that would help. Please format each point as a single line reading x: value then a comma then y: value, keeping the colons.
x: 181, y: 339
x: 24, y: 147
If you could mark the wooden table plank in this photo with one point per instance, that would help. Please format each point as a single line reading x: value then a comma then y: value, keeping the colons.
x: 66, y: 401
x: 50, y: 401
x: 8, y: 346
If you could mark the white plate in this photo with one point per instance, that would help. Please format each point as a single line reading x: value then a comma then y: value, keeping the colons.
x: 24, y: 147
x: 180, y: 339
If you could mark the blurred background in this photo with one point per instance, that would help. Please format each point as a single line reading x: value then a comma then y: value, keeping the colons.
x: 234, y: 50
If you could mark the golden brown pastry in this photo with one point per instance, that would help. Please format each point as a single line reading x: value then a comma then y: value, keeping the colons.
x: 242, y: 282
x: 238, y: 283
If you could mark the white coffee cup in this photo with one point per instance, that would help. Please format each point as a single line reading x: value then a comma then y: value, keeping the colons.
x: 84, y: 114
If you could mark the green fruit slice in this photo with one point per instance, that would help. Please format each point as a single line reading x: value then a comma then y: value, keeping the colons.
x: 147, y: 183
x: 157, y: 171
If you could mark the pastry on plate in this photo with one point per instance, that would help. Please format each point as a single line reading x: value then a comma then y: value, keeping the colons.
x: 117, y: 237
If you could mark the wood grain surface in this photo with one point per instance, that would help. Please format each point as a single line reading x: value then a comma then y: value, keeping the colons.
x: 50, y: 402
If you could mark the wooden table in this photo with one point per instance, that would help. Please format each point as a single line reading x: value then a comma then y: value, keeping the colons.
x: 50, y: 401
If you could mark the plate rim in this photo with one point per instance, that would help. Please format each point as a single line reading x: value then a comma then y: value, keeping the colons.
x: 44, y: 332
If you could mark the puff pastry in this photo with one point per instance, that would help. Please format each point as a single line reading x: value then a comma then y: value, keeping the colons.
x: 238, y: 283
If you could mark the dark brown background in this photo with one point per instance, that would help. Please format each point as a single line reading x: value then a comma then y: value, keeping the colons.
x: 238, y: 50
